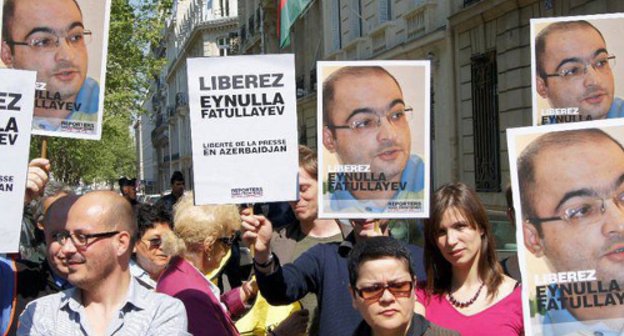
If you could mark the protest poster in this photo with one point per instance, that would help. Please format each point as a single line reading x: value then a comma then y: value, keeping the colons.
x: 575, y: 69
x: 65, y: 42
x: 373, y: 139
x: 568, y: 187
x: 243, y: 113
x: 17, y: 97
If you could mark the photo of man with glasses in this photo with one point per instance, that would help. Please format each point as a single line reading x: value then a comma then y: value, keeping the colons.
x: 369, y: 131
x: 571, y: 185
x: 51, y: 38
x: 574, y: 72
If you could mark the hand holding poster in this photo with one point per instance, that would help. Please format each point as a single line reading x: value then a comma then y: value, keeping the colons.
x: 244, y: 128
x: 65, y: 42
x: 570, y: 183
x: 373, y: 122
x: 574, y: 69
x: 16, y: 106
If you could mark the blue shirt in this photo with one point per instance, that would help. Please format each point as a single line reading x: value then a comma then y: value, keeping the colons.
x: 562, y: 322
x: 7, y: 287
x: 413, y: 177
x: 143, y: 313
x: 617, y: 109
x: 85, y: 108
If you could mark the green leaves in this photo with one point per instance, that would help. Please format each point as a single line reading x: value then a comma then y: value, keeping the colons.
x: 134, y: 27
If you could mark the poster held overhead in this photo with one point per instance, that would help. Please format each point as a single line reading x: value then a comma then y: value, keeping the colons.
x: 373, y: 139
x: 575, y: 69
x: 65, y: 42
x: 16, y: 107
x: 568, y: 187
x: 243, y: 113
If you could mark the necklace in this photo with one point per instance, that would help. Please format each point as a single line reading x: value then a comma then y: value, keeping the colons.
x: 468, y: 303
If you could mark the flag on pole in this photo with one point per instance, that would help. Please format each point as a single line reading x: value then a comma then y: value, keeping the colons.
x: 287, y: 13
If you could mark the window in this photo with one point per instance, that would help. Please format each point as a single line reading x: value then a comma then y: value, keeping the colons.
x: 485, y: 122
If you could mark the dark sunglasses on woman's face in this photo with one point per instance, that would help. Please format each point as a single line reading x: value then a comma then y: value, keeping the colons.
x: 375, y: 291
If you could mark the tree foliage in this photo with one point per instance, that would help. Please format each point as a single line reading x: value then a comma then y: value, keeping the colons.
x: 134, y: 27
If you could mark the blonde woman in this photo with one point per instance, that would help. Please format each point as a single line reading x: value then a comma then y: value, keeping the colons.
x: 201, y: 238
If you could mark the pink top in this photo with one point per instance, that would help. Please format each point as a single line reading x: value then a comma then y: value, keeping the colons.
x: 504, y: 318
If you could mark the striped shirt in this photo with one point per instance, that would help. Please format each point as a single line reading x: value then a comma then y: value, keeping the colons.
x: 143, y: 313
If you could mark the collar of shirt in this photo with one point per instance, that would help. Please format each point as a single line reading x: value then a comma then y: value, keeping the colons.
x: 412, y: 177
x: 617, y: 108
x: 134, y: 298
x: 141, y: 275
x: 213, y: 288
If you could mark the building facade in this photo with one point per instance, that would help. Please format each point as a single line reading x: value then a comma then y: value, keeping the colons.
x: 480, y: 66
x: 196, y: 28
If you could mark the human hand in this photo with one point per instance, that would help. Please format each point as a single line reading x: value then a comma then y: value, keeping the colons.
x: 295, y: 324
x: 257, y: 232
x: 249, y: 290
x: 37, y: 179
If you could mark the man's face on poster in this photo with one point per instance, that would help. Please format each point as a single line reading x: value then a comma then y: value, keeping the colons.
x: 369, y: 100
x: 585, y: 184
x: 63, y: 64
x: 581, y: 53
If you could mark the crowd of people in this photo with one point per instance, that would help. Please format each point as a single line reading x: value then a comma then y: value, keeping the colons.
x: 104, y: 264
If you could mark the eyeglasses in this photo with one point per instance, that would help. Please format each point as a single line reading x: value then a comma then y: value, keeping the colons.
x: 576, y: 70
x: 153, y: 243
x: 48, y: 41
x: 80, y: 239
x: 228, y: 241
x: 374, y: 292
x: 586, y: 211
x: 367, y: 121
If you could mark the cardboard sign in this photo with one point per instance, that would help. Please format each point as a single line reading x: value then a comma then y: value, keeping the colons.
x: 243, y: 128
x: 373, y: 137
x: 68, y: 51
x: 568, y: 188
x: 576, y: 68
x: 16, y: 108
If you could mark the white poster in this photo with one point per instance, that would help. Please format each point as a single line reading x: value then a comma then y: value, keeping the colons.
x: 373, y: 139
x: 243, y: 128
x: 568, y: 187
x: 66, y: 43
x: 576, y: 68
x: 16, y: 109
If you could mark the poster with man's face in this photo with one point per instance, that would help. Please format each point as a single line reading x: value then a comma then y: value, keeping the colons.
x: 568, y: 189
x: 373, y: 139
x: 577, y: 65
x: 65, y: 42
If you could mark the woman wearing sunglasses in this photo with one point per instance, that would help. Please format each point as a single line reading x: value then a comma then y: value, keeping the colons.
x: 201, y: 238
x: 382, y: 281
x: 466, y: 289
x: 149, y: 260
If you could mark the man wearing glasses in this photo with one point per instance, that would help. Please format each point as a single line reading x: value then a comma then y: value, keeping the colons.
x: 94, y: 242
x: 366, y: 124
x: 382, y: 281
x: 49, y: 37
x: 575, y: 72
x: 572, y: 195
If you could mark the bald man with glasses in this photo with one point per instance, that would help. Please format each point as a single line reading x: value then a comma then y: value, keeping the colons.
x: 49, y: 37
x: 366, y: 125
x: 92, y: 241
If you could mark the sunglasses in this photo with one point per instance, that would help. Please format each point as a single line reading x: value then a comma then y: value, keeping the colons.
x: 228, y: 241
x: 153, y: 243
x: 375, y: 291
